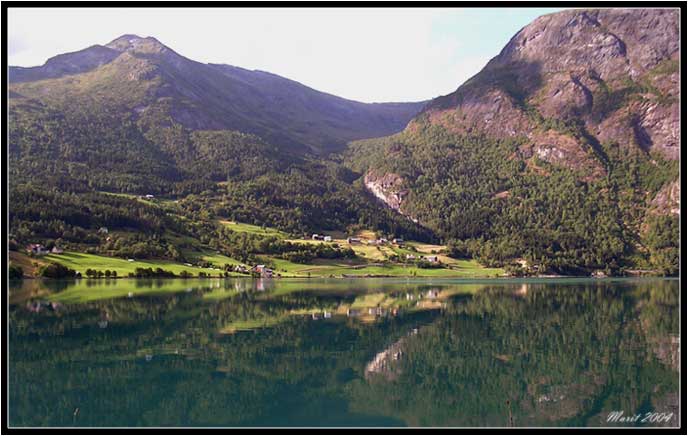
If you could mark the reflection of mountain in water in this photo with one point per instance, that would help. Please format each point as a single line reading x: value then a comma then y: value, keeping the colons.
x: 383, y: 362
x: 561, y: 354
x: 668, y: 351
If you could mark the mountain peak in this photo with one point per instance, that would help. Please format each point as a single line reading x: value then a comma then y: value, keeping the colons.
x: 131, y: 42
x: 562, y: 67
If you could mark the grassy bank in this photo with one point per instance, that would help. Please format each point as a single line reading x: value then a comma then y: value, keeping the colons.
x: 360, y: 267
x: 372, y: 260
x: 82, y: 261
x: 339, y: 268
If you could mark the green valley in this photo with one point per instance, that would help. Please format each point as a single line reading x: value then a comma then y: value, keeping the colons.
x: 131, y: 150
x: 489, y: 236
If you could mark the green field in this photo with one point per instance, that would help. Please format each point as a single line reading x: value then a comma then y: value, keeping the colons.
x: 150, y: 202
x: 337, y: 268
x: 82, y: 261
x: 373, y: 260
x: 210, y: 256
x: 250, y: 228
x: 370, y: 260
x: 320, y: 268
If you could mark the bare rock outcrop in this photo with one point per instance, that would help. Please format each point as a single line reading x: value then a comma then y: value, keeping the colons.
x: 611, y: 71
x: 668, y: 199
x: 388, y: 188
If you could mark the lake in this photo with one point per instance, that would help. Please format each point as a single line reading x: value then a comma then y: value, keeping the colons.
x: 359, y: 352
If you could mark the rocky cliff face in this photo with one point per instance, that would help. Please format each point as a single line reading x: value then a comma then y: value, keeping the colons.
x: 564, y: 146
x: 388, y: 188
x: 668, y: 199
x: 572, y: 80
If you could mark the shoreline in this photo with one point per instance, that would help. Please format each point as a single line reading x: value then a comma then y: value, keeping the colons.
x: 407, y: 278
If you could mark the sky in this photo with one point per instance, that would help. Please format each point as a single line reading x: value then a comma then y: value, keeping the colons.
x: 364, y: 54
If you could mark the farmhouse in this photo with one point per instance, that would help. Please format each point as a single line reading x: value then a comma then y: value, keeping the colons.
x: 398, y: 241
x: 57, y: 250
x: 432, y: 259
x: 317, y: 237
x: 37, y: 249
x: 327, y: 238
x: 263, y: 270
x: 353, y: 240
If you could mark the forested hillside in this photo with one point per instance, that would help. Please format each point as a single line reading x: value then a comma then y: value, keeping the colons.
x: 136, y: 118
x: 134, y: 76
x: 561, y: 156
x: 562, y: 151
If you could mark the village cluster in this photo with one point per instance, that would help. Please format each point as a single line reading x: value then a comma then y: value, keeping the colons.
x: 262, y: 270
x: 380, y: 242
x: 41, y: 250
x: 355, y: 241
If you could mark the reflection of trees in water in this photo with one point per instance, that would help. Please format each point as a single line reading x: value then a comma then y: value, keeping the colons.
x: 193, y: 376
x: 659, y: 319
x: 559, y: 354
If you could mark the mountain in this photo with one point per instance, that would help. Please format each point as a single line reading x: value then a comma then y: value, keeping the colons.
x: 612, y: 69
x: 65, y: 64
x: 135, y: 117
x: 560, y: 156
x: 210, y: 97
x: 564, y: 150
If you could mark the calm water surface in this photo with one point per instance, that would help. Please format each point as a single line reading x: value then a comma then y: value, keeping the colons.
x: 360, y: 352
